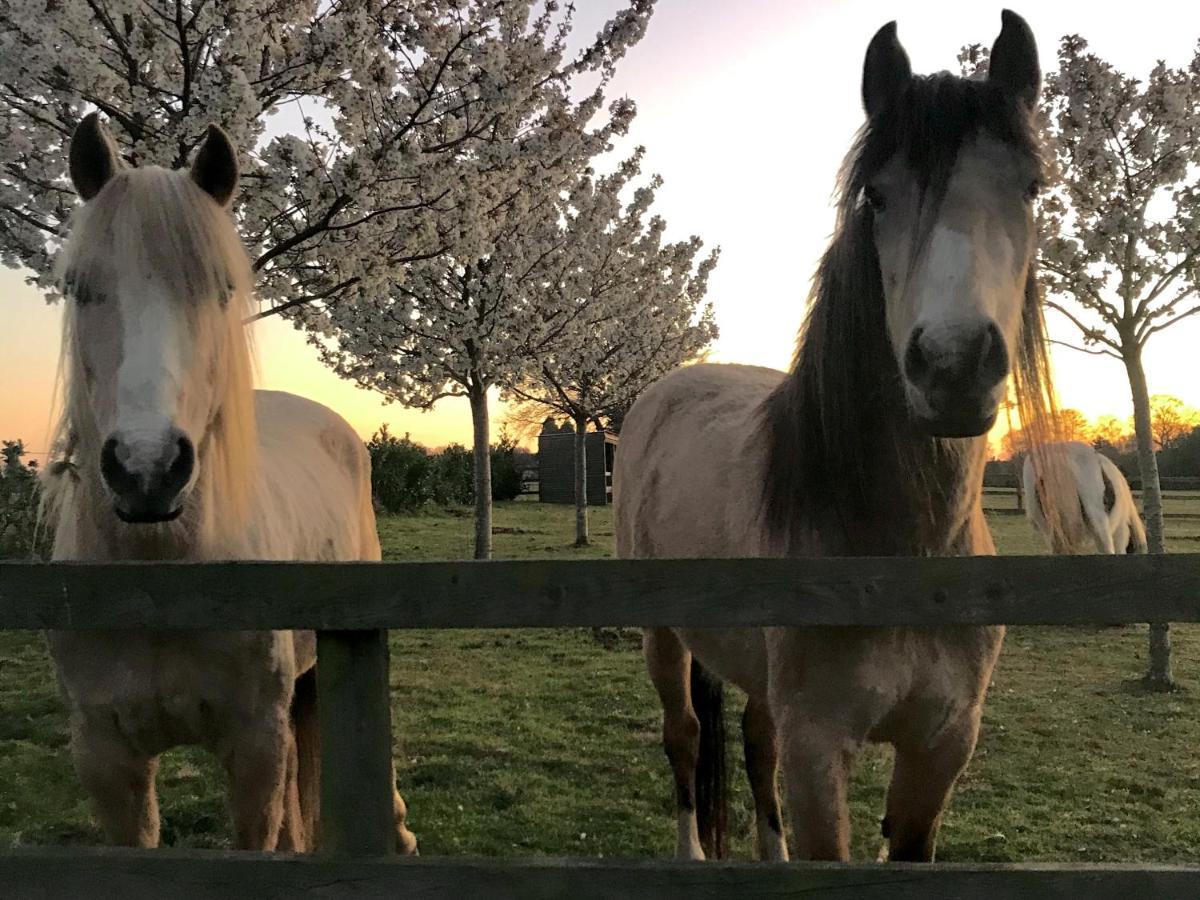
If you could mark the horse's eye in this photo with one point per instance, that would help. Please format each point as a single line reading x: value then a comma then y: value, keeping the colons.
x: 1033, y: 190
x: 874, y: 198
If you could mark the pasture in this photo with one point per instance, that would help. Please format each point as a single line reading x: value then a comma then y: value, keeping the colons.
x: 545, y: 742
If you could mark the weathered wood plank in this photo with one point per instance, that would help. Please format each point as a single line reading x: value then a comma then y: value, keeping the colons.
x: 95, y: 874
x: 356, y: 743
x: 549, y: 593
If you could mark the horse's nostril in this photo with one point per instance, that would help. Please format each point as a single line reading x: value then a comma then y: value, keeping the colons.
x: 180, y: 470
x: 993, y: 355
x: 916, y: 363
x: 120, y: 479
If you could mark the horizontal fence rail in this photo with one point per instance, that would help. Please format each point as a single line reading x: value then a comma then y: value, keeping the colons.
x: 96, y: 873
x: 350, y: 604
x: 1009, y: 590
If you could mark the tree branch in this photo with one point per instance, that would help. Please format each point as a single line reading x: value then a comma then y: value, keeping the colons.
x: 305, y: 234
x: 1088, y: 332
x: 1088, y: 350
x: 300, y: 301
x: 1195, y: 310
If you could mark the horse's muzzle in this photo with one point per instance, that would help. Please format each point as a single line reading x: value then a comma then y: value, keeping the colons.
x: 955, y: 378
x: 149, y: 492
x: 965, y: 423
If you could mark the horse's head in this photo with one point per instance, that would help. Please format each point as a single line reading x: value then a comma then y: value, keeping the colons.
x: 151, y: 272
x: 947, y: 173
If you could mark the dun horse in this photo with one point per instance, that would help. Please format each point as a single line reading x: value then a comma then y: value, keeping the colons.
x: 1097, y: 509
x: 873, y: 445
x: 171, y: 455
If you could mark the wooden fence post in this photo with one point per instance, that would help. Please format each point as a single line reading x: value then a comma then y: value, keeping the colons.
x: 355, y: 714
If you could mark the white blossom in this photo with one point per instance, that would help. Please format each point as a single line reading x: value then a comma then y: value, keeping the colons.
x: 616, y: 308
x: 421, y: 101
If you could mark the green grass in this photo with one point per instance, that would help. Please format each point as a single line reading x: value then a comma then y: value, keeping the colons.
x: 546, y: 742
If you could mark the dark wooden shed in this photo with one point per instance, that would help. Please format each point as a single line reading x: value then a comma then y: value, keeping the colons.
x: 556, y: 464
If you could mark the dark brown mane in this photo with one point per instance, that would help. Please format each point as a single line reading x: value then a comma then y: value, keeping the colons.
x: 840, y: 445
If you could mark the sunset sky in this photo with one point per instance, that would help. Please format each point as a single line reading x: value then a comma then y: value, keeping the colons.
x: 746, y: 109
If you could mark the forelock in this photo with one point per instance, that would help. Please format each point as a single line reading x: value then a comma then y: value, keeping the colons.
x: 928, y: 125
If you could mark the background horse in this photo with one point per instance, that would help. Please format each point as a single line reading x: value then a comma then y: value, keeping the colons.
x: 171, y: 455
x: 1097, y: 506
x: 873, y: 445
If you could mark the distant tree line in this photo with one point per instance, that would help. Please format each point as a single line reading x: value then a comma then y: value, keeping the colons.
x: 20, y: 495
x: 406, y: 476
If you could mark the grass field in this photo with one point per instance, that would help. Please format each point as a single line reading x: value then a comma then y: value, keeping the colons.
x: 542, y: 742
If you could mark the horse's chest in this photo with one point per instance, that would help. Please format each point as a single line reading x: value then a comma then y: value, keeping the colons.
x: 156, y: 691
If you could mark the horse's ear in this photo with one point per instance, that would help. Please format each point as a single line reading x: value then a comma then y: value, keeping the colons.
x: 93, y: 158
x: 215, y: 167
x: 1014, y: 61
x: 886, y: 71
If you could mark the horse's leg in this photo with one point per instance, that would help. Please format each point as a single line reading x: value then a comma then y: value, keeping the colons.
x: 922, y: 780
x: 291, y: 830
x: 762, y: 766
x: 120, y: 783
x: 669, y: 664
x: 258, y: 762
x: 1120, y: 536
x: 1098, y: 524
x: 406, y: 841
x: 816, y: 765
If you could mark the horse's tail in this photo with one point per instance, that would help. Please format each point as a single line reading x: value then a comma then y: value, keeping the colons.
x: 370, y: 549
x: 712, y: 786
x: 308, y: 751
x: 1137, y: 532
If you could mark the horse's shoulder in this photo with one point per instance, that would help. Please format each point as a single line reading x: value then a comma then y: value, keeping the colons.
x: 289, y: 420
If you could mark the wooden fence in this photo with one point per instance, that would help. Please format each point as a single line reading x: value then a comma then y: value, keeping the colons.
x: 351, y: 605
x: 1177, y: 505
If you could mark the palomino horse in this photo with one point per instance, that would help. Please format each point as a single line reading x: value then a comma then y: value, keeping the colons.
x: 171, y: 455
x: 873, y: 445
x: 1098, y: 509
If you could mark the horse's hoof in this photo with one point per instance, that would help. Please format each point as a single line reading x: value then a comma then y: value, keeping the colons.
x: 406, y: 844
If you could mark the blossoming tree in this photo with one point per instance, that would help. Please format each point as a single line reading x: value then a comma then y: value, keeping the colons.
x: 399, y: 103
x: 618, y: 309
x: 461, y: 322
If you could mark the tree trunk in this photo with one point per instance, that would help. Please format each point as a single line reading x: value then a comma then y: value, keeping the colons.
x: 483, y: 472
x: 581, y: 513
x: 1158, y: 676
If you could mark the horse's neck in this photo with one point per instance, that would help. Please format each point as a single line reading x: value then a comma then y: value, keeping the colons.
x: 924, y: 499
x: 940, y: 484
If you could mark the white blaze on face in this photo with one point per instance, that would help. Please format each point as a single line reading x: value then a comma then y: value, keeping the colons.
x: 965, y: 280
x: 150, y: 378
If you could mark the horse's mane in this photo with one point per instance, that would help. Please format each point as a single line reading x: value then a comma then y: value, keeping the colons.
x: 161, y: 223
x: 840, y: 447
